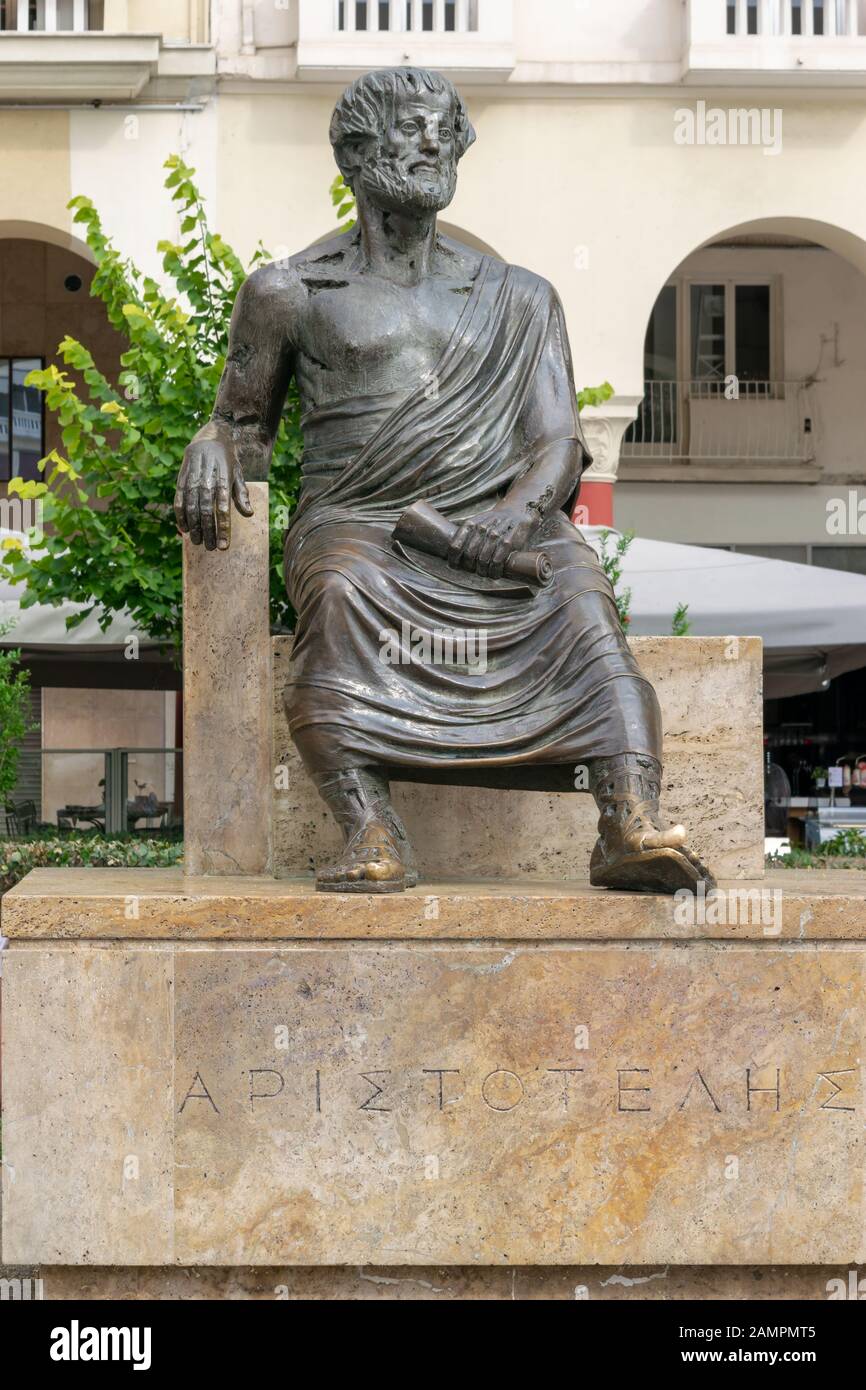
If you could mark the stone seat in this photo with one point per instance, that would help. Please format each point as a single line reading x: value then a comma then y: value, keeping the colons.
x: 710, y: 692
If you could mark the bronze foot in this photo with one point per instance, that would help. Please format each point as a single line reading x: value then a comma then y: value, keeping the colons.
x: 377, y: 857
x: 649, y: 871
x: 635, y: 851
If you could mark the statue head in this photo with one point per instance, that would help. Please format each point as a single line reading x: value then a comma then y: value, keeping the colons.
x: 398, y: 134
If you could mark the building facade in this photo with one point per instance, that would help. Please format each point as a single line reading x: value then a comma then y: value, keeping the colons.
x: 688, y: 174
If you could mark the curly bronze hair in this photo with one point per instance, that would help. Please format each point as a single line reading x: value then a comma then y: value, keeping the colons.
x: 363, y: 109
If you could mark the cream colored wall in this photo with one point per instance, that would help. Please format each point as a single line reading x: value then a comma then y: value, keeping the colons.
x: 117, y: 159
x: 592, y: 193
x: 730, y: 513
x: 175, y: 20
x: 34, y: 170
x: 594, y: 31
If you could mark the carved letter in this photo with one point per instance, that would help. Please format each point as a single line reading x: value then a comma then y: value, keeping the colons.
x: 440, y: 1072
x: 623, y: 1090
x: 377, y: 1091
x: 698, y: 1077
x: 203, y: 1094
x: 761, y: 1090
x: 828, y: 1076
x: 566, y: 1072
x: 265, y: 1095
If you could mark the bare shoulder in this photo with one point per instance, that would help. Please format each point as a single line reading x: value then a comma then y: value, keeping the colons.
x: 326, y: 257
x: 275, y: 286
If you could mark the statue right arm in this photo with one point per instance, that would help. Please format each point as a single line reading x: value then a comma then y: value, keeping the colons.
x: 235, y: 446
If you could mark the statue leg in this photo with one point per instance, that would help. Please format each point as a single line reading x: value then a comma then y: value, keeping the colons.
x: 635, y: 850
x: 377, y: 856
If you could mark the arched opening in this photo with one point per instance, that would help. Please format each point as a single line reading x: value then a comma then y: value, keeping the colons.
x: 85, y: 698
x: 749, y: 439
x: 45, y: 278
x: 745, y: 374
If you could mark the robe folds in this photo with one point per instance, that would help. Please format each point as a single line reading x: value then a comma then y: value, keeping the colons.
x: 439, y: 674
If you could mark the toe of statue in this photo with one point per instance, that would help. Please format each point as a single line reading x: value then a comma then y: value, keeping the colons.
x: 372, y: 871
x: 668, y: 868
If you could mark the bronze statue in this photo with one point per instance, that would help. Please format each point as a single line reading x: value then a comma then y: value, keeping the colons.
x: 429, y: 372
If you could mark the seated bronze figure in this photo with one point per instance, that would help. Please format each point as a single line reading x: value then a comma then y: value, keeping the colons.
x: 430, y: 372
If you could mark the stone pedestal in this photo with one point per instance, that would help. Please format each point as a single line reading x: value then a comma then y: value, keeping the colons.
x: 219, y: 1073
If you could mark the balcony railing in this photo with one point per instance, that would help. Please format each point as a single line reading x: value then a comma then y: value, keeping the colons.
x: 338, y: 39
x: 407, y: 16
x: 793, y: 18
x: 696, y: 421
x: 52, y: 16
x: 817, y: 41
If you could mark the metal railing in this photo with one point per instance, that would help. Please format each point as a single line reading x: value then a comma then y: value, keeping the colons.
x: 744, y: 421
x: 406, y: 16
x: 52, y: 16
x: 89, y: 789
x: 793, y: 18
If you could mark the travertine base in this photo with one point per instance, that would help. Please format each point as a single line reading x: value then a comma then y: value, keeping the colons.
x: 227, y: 684
x: 521, y: 1086
x: 710, y: 692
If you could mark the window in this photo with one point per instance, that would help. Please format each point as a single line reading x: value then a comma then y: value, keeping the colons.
x: 730, y: 334
x: 851, y: 558
x: 21, y: 420
x: 660, y: 347
x: 840, y: 557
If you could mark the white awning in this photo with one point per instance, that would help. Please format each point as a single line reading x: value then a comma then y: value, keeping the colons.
x: 812, y: 620
x: 45, y: 626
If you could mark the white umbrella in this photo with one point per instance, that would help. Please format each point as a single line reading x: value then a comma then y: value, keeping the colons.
x: 812, y: 620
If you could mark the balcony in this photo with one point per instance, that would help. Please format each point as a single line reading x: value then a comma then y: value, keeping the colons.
x: 472, y: 40
x: 85, y: 51
x: 774, y: 42
x: 692, y: 429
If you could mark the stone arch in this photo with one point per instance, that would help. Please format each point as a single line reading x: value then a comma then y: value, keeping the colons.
x: 847, y: 244
x: 45, y: 279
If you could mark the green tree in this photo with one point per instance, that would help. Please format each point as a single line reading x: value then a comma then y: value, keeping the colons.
x: 680, y: 626
x: 611, y: 563
x: 110, y: 542
x: 14, y: 714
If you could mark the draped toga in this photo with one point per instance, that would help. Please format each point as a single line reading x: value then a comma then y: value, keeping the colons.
x: 531, y: 681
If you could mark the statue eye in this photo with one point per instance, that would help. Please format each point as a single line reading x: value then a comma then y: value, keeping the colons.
x: 409, y: 127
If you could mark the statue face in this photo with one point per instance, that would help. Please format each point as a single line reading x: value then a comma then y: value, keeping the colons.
x: 415, y: 165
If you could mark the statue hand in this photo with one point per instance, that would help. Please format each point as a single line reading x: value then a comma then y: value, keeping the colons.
x: 484, y: 542
x: 209, y: 480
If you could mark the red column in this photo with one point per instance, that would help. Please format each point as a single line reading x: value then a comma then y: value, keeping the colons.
x: 594, y: 505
